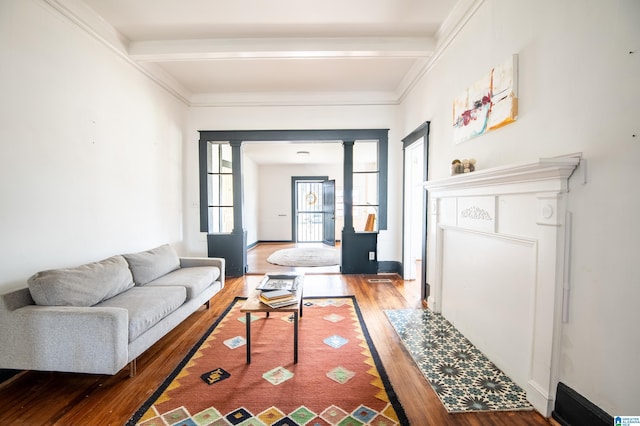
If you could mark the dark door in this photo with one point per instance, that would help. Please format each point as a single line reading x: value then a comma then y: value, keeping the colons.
x: 329, y: 212
x: 306, y: 208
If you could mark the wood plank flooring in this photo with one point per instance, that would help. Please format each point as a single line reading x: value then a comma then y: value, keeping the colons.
x: 47, y: 398
x: 257, y: 260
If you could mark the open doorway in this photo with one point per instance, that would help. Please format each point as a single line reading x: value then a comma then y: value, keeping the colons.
x: 414, y: 166
x: 415, y: 218
x: 261, y: 202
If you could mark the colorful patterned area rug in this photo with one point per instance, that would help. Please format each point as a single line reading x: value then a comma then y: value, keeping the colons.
x: 464, y: 379
x: 338, y: 380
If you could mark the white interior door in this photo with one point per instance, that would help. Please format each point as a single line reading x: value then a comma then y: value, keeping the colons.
x: 413, y: 221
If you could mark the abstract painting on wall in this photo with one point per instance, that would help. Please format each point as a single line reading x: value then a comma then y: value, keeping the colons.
x: 490, y: 103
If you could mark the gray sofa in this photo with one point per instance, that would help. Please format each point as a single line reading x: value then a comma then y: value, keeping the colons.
x: 99, y: 317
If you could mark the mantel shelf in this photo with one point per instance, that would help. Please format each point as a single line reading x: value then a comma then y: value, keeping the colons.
x: 500, y: 239
x: 557, y: 169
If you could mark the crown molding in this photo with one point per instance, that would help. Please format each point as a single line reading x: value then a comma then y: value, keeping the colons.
x: 144, y: 56
x: 462, y: 12
x: 455, y: 22
x: 86, y: 19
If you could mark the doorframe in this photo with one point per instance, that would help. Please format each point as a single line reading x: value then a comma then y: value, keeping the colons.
x: 421, y: 131
x: 237, y: 137
x: 413, y: 164
x: 294, y: 180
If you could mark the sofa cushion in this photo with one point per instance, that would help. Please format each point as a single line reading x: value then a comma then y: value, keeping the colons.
x: 83, y: 285
x: 151, y: 264
x: 147, y: 306
x: 194, y: 279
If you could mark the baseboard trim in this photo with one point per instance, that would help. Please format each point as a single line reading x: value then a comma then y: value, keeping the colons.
x: 573, y: 409
x: 6, y: 375
x: 389, y: 266
x: 539, y: 398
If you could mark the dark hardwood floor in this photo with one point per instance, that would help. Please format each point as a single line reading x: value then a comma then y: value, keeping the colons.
x: 47, y: 398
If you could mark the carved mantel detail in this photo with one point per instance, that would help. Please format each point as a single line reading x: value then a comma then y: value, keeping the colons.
x: 475, y: 213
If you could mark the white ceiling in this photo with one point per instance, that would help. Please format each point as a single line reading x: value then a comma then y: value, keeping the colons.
x: 286, y: 152
x: 276, y: 52
x: 321, y: 152
x: 256, y: 52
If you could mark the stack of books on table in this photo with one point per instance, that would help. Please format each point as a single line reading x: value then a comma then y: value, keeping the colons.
x: 278, y: 298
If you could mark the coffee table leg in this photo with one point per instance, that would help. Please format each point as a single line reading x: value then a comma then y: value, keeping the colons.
x: 295, y: 337
x: 248, y: 325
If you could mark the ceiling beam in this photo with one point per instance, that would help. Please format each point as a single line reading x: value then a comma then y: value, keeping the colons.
x: 273, y: 48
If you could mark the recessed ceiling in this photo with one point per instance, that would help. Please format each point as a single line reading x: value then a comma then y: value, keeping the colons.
x: 224, y: 52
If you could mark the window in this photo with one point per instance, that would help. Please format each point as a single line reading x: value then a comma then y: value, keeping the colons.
x: 366, y: 175
x: 220, y: 188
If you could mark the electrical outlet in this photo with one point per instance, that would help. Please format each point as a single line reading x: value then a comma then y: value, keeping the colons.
x: 372, y: 255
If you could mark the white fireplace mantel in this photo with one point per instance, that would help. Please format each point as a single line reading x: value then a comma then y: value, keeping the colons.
x: 545, y: 174
x: 498, y: 244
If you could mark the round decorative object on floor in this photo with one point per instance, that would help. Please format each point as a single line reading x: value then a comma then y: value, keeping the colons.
x: 304, y: 257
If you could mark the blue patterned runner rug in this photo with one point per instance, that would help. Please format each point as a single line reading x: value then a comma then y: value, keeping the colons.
x: 462, y: 377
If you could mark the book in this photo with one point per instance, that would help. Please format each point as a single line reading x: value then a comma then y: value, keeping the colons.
x: 280, y: 303
x: 275, y: 295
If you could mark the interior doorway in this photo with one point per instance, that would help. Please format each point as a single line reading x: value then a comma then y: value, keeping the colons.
x: 308, y: 210
x: 414, y: 217
x: 249, y: 217
x: 414, y: 166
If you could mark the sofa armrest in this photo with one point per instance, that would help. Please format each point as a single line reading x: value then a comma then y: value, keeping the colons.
x: 186, y: 262
x: 65, y: 338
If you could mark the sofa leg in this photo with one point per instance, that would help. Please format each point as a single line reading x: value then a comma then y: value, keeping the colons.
x: 133, y: 367
x: 207, y: 304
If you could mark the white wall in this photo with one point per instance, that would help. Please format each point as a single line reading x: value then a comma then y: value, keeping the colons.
x: 297, y: 117
x: 90, y: 149
x: 578, y: 92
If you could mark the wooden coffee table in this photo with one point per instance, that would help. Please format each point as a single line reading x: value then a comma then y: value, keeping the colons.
x: 254, y: 305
